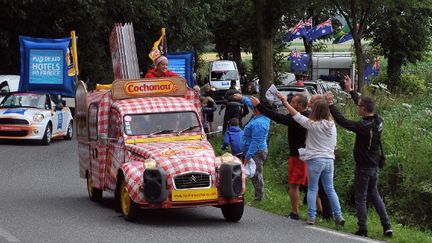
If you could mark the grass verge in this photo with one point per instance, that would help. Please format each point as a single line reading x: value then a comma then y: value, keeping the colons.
x: 277, y: 201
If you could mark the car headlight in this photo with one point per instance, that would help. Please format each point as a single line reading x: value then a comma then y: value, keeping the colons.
x: 38, y: 117
x: 150, y: 163
x: 227, y: 158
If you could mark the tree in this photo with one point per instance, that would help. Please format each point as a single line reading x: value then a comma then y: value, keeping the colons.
x: 402, y: 29
x: 356, y: 14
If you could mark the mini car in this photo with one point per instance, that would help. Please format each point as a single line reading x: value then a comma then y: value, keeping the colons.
x: 34, y: 116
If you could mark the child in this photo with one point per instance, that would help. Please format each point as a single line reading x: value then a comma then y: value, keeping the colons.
x: 232, y: 138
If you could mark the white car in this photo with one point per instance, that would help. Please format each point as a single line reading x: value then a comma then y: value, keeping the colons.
x: 27, y: 115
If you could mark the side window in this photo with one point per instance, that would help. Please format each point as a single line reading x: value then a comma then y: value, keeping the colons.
x: 114, y: 129
x: 93, y: 122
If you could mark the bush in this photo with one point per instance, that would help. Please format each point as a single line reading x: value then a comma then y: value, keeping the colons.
x: 411, y: 83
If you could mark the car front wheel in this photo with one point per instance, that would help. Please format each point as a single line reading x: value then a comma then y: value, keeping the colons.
x: 69, y: 131
x: 129, y: 208
x: 233, y: 212
x: 46, y: 140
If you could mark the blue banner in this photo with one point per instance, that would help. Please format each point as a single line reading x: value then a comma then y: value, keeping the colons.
x: 44, y: 66
x: 182, y: 64
x: 59, y: 119
x: 15, y: 110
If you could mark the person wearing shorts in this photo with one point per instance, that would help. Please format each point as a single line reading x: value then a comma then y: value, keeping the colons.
x: 297, y: 172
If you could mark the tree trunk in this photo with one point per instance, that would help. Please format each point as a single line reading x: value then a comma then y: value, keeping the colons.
x: 360, y: 63
x: 265, y: 44
x: 394, y: 72
x: 237, y: 55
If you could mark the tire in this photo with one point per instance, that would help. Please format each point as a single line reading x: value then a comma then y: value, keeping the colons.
x: 69, y: 131
x: 46, y: 140
x: 233, y: 212
x: 94, y: 194
x: 129, y: 209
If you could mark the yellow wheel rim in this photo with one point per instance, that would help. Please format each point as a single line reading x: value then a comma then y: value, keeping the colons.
x: 125, y: 199
x: 89, y: 186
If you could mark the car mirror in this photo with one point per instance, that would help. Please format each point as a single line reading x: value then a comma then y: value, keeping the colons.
x: 103, y: 138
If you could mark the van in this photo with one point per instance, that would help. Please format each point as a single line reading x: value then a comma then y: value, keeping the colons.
x: 221, y: 73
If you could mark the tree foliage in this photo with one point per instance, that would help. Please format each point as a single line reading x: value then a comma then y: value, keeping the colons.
x: 402, y: 29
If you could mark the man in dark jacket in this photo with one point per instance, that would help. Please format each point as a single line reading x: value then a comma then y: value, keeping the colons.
x: 367, y: 154
x: 297, y: 170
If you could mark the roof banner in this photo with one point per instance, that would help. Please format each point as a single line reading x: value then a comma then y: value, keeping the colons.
x: 45, y: 64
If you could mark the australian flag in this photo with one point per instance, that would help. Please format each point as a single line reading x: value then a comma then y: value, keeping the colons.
x: 371, y: 71
x: 317, y: 31
x: 299, y: 62
x: 298, y: 30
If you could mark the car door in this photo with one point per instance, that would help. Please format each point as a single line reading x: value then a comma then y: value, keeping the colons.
x: 54, y: 115
x: 115, y: 152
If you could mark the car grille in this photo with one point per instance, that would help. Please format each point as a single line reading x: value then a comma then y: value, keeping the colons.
x: 13, y: 133
x: 13, y: 121
x: 192, y: 180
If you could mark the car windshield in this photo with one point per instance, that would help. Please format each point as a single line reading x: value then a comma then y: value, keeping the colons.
x: 224, y: 75
x: 161, y: 123
x: 24, y: 100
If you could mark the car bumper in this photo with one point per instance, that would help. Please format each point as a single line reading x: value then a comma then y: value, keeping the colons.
x: 35, y: 131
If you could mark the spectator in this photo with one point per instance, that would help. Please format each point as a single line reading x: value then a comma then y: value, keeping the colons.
x: 367, y: 154
x: 161, y: 69
x: 208, y: 108
x: 297, y: 170
x: 319, y: 155
x: 299, y: 79
x: 233, y: 108
x: 232, y: 138
x: 254, y: 144
x: 323, y: 204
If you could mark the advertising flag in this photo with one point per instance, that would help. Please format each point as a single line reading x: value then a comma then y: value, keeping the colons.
x: 45, y: 65
x: 159, y: 47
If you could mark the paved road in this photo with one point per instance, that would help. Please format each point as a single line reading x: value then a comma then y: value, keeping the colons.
x: 42, y: 199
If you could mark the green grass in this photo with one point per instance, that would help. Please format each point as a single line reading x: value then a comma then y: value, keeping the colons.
x: 277, y: 201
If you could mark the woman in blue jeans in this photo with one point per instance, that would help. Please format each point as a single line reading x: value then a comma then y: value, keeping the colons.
x: 319, y: 155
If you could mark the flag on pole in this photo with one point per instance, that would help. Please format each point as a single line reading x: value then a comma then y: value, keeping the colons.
x: 72, y: 56
x: 295, y: 32
x: 317, y: 31
x: 371, y: 71
x: 299, y: 62
x: 159, y: 47
x: 343, y: 35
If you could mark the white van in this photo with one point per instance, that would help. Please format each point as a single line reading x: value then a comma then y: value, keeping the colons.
x: 221, y: 73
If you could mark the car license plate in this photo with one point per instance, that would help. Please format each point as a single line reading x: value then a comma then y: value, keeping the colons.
x: 225, y: 83
x: 194, y: 194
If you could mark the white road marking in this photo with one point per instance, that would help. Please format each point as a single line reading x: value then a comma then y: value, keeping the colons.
x: 6, y: 235
x: 357, y: 238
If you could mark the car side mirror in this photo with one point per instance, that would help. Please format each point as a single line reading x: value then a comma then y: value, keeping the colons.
x: 103, y: 139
